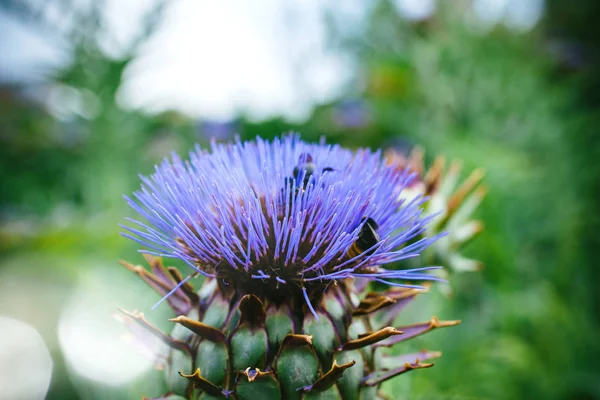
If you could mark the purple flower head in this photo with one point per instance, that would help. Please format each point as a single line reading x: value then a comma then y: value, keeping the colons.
x: 282, y: 219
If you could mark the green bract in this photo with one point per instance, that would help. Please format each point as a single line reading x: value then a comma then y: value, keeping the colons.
x: 244, y: 348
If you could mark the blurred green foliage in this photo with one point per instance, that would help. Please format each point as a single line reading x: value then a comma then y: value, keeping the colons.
x: 492, y: 99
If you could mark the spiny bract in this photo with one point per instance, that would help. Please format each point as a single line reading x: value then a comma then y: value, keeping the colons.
x: 452, y: 204
x: 281, y: 231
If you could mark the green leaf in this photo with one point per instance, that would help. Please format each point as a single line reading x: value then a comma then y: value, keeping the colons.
x: 248, y: 349
x: 212, y: 358
x: 178, y: 361
x: 338, y: 312
x: 368, y: 393
x: 323, y: 333
x: 330, y: 394
x: 356, y: 329
x: 349, y: 383
x: 279, y: 325
x: 297, y: 365
x: 217, y: 312
x: 263, y: 387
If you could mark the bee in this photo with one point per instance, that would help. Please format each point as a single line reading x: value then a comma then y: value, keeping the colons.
x: 302, y: 174
x: 308, y: 167
x: 367, y: 237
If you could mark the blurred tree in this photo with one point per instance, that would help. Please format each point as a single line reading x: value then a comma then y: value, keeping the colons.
x: 30, y: 155
x: 104, y: 146
x: 574, y: 39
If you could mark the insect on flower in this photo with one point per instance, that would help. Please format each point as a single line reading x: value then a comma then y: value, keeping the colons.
x: 302, y: 176
x: 278, y: 314
x: 367, y: 238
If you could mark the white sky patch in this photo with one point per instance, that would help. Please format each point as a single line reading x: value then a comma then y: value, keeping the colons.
x: 523, y: 15
x: 27, y: 52
x: 416, y: 9
x: 215, y: 59
x: 520, y: 15
x: 124, y: 19
x: 490, y: 12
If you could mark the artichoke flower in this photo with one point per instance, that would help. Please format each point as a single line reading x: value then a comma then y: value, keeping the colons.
x: 280, y: 232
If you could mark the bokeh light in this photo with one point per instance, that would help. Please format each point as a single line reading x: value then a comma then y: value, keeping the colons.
x: 93, y: 340
x: 25, y: 362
